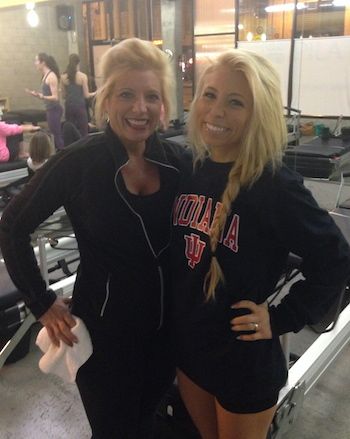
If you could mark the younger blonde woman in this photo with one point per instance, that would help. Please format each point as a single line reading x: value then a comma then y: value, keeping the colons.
x: 236, y: 219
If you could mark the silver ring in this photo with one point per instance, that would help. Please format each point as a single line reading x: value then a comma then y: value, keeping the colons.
x: 256, y: 326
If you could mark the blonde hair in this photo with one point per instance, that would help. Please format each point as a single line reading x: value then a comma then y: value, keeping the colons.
x: 263, y: 140
x: 133, y: 54
x: 40, y: 147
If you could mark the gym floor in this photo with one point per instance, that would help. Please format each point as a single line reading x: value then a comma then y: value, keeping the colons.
x: 38, y: 406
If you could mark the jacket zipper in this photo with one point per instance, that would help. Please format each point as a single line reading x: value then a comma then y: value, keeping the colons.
x: 160, y: 271
x: 103, y: 308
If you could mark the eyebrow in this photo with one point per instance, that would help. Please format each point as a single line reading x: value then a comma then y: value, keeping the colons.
x: 153, y: 90
x: 230, y: 94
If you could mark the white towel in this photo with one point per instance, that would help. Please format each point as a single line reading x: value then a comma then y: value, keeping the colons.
x: 64, y: 360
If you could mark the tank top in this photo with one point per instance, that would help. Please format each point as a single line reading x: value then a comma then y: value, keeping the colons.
x: 46, y: 90
x: 154, y: 209
x: 74, y: 94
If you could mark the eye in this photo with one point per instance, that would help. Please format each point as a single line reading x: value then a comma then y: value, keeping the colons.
x: 153, y: 97
x: 235, y: 103
x: 209, y: 95
x: 126, y: 95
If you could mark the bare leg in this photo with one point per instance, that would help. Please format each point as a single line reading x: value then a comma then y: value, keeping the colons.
x: 200, y: 405
x: 243, y: 426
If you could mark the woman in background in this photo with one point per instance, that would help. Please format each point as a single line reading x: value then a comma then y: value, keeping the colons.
x: 47, y: 66
x: 12, y: 129
x: 75, y: 91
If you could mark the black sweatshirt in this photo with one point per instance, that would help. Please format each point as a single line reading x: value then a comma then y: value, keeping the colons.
x: 277, y: 215
x: 121, y: 276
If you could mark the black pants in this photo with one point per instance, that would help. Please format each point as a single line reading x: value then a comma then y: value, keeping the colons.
x: 13, y: 145
x: 122, y: 383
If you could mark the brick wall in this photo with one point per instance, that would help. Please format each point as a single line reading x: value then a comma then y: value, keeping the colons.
x: 19, y: 45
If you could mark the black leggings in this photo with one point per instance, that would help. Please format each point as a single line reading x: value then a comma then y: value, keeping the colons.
x: 121, y: 386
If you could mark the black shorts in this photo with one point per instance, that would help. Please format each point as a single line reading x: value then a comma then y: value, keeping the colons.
x: 245, y: 407
x: 238, y: 402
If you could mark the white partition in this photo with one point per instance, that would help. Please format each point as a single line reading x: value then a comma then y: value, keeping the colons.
x: 321, y: 73
x: 278, y: 52
x: 324, y: 70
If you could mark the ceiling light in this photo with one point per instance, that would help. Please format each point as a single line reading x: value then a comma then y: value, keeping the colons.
x: 32, y: 18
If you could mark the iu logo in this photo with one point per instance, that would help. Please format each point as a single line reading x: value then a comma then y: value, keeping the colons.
x: 194, y: 249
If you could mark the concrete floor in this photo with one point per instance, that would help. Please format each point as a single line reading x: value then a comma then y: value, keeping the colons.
x: 37, y: 406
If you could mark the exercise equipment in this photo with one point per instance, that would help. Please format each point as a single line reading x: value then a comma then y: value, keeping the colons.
x: 319, y: 158
x: 33, y: 116
x: 305, y: 371
x: 15, y: 318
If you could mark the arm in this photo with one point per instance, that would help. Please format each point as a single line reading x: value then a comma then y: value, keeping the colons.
x: 310, y: 232
x: 44, y: 193
x: 299, y: 225
x: 63, y: 89
x: 52, y: 81
x: 84, y: 83
x: 9, y: 129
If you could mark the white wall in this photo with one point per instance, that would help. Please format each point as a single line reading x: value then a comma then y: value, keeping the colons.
x: 321, y: 77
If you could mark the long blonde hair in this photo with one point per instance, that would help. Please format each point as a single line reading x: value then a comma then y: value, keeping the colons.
x: 263, y: 140
x: 133, y: 54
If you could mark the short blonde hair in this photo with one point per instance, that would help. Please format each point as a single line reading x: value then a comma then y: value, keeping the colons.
x: 133, y: 54
x: 263, y: 140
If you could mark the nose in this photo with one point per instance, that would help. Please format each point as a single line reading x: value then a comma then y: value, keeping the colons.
x: 140, y: 104
x: 218, y: 109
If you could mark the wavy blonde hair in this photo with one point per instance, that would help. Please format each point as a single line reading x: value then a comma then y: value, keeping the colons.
x: 263, y: 140
x: 133, y: 54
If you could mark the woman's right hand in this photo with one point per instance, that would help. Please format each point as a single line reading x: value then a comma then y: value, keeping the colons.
x: 36, y: 94
x: 58, y: 322
x: 29, y: 128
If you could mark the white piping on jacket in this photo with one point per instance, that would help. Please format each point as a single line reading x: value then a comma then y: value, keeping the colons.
x: 103, y: 308
x: 160, y: 271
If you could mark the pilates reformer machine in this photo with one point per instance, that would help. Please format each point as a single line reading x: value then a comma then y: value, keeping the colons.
x: 334, y: 334
x: 54, y: 255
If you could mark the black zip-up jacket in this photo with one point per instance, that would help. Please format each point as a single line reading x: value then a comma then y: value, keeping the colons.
x: 121, y: 275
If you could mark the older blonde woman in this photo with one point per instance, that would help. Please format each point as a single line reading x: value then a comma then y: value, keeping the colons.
x: 118, y: 189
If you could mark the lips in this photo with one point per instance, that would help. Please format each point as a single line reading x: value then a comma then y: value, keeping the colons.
x: 215, y: 128
x: 137, y: 123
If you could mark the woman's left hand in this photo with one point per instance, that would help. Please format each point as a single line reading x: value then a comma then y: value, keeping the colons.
x: 258, y: 320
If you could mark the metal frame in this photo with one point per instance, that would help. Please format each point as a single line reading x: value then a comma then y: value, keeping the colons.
x: 307, y: 370
x: 62, y: 288
x: 7, y: 177
x: 47, y: 257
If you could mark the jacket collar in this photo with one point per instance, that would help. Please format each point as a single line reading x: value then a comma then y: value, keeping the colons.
x: 154, y: 149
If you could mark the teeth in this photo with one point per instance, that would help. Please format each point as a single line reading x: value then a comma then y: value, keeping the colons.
x: 138, y: 121
x: 215, y: 128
